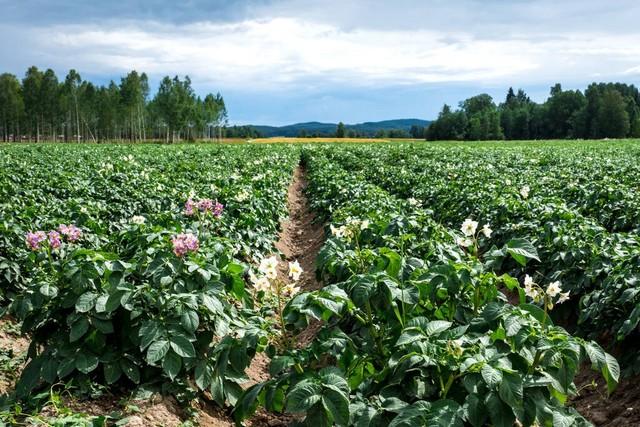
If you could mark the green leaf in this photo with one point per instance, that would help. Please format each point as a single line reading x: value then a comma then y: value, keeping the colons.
x: 413, y: 415
x: 30, y: 377
x: 86, y: 302
x: 437, y: 326
x: 512, y: 325
x: 500, y: 413
x: 476, y: 413
x: 86, y: 362
x: 212, y: 303
x: 337, y: 404
x: 112, y: 372
x: 182, y: 346
x: 172, y: 364
x: 148, y: 333
x: 303, y: 396
x: 130, y: 370
x: 78, y: 329
x: 190, y: 321
x: 611, y: 372
x: 157, y: 351
x: 48, y: 290
x: 562, y: 419
x: 510, y: 390
x: 113, y: 301
x: 444, y: 413
x: 491, y: 375
x: 521, y: 251
x: 537, y: 313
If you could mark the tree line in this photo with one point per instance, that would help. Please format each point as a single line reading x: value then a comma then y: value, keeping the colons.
x: 40, y: 107
x: 604, y: 110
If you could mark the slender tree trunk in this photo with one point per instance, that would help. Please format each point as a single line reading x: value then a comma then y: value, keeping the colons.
x: 77, y: 119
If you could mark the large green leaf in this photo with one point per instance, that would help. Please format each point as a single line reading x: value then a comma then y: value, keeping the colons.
x: 157, y: 350
x: 303, y: 396
x: 182, y: 346
x: 522, y: 250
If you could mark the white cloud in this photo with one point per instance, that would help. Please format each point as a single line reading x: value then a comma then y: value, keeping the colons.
x: 289, y: 52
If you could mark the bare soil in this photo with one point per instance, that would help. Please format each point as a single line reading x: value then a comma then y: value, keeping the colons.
x: 302, y: 236
x: 621, y: 409
x: 14, y: 347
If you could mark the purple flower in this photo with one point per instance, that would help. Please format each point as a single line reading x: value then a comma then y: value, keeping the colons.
x: 71, y: 232
x: 184, y: 243
x: 54, y: 239
x: 205, y: 205
x: 189, y: 207
x: 217, y: 209
x: 35, y: 238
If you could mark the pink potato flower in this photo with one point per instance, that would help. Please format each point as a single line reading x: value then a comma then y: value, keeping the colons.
x: 217, y: 209
x: 54, y: 239
x: 189, y: 207
x: 185, y: 243
x: 71, y: 232
x: 205, y: 205
x: 35, y: 238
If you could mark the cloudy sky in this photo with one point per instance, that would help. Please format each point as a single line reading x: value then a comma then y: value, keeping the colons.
x: 286, y: 61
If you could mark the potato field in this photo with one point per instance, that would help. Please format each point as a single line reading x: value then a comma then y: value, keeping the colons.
x: 388, y: 284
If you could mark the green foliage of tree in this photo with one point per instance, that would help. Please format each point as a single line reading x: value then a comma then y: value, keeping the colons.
x: 612, y: 118
x: 340, y: 130
x: 604, y: 110
x: 11, y: 107
x: 40, y: 107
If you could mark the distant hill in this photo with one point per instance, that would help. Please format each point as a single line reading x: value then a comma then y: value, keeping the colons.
x: 328, y: 129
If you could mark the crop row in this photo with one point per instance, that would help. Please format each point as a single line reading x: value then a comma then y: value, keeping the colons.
x: 598, y: 266
x: 126, y: 265
x: 415, y: 329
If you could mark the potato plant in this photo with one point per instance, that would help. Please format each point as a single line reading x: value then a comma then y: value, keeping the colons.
x: 417, y: 329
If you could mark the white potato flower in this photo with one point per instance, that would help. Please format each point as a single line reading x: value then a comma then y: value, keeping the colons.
x: 338, y: 231
x: 464, y: 242
x: 486, y: 230
x: 528, y: 280
x: 290, y: 289
x: 563, y: 297
x: 554, y: 289
x: 138, y: 219
x: 261, y: 284
x: 413, y: 202
x: 364, y: 224
x: 295, y: 270
x: 269, y: 267
x: 469, y: 227
x: 242, y: 196
x: 524, y: 192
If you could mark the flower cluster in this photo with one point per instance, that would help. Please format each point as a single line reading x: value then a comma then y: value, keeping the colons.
x: 267, y: 281
x: 524, y: 192
x: 242, y: 196
x: 34, y: 239
x: 53, y: 238
x: 71, y: 232
x: 138, y: 219
x: 469, y: 229
x: 350, y: 228
x: 538, y: 294
x: 205, y: 206
x: 185, y: 243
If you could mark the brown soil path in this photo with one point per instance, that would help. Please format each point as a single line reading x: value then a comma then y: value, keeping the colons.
x: 301, y: 238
